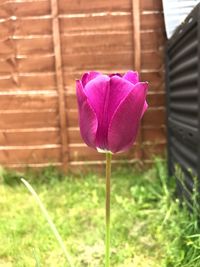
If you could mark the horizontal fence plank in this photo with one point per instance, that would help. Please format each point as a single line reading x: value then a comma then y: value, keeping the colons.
x: 30, y: 119
x: 34, y: 45
x: 93, y: 42
x: 68, y: 7
x: 7, y: 66
x: 33, y: 155
x: 22, y: 8
x: 110, y: 22
x: 153, y: 117
x: 32, y: 26
x: 154, y: 135
x: 156, y: 99
x: 6, y: 29
x: 97, y: 61
x: 6, y: 47
x: 4, y: 12
x: 20, y: 26
x: 29, y: 138
x: 36, y: 63
x: 152, y: 59
x: 71, y: 101
x: 151, y: 5
x: 27, y: 64
x: 74, y: 61
x: 72, y: 118
x: 87, y: 43
x: 155, y: 79
x: 20, y: 102
x: 28, y: 81
x: 74, y: 135
x: 41, y: 81
x: 97, y: 23
x: 152, y: 21
x: 152, y: 41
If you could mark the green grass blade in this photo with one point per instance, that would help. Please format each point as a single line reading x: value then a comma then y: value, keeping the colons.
x: 37, y: 262
x: 50, y: 222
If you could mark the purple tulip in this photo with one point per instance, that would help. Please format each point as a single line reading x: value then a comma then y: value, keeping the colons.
x: 110, y: 109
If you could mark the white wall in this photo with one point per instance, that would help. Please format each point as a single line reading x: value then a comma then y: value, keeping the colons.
x: 175, y: 11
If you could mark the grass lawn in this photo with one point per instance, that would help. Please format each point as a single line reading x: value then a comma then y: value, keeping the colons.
x: 148, y: 227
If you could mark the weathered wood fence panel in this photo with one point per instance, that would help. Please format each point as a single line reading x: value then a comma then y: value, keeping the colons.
x: 44, y: 46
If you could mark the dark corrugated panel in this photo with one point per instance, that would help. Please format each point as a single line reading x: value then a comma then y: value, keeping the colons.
x: 185, y: 51
x: 183, y: 103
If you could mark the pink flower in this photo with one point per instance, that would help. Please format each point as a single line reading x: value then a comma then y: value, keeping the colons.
x: 110, y: 109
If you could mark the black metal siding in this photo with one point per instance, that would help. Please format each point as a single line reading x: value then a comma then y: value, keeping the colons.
x: 183, y: 101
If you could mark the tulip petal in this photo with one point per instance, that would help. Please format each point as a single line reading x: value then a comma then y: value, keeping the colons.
x: 125, y: 121
x: 132, y: 76
x: 115, y: 74
x: 119, y: 89
x: 97, y: 91
x: 87, y: 117
x: 104, y: 95
x: 88, y: 76
x: 144, y: 108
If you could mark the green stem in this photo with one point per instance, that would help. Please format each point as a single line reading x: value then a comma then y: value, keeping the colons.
x: 108, y: 175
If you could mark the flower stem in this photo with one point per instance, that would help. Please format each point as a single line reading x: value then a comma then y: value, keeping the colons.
x: 108, y: 175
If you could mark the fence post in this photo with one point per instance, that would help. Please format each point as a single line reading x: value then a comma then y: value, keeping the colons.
x: 137, y: 59
x: 60, y: 83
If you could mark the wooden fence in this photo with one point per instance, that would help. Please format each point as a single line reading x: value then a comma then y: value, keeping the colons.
x: 44, y: 46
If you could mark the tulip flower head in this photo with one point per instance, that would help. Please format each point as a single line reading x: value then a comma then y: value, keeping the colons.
x: 110, y: 109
